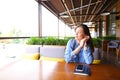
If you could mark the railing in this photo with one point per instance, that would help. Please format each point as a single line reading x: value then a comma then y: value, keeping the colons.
x: 15, y: 40
x: 13, y: 37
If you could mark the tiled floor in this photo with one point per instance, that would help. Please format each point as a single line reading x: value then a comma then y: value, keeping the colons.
x: 110, y: 59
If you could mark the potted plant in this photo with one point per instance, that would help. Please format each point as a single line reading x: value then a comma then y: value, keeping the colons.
x: 52, y: 47
x: 47, y: 41
x: 96, y: 42
x: 96, y: 53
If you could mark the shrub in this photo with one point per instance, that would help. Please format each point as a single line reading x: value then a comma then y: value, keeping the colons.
x: 46, y: 41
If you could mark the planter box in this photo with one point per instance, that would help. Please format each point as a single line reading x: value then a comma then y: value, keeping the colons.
x: 31, y: 52
x: 52, y: 51
x: 96, y: 54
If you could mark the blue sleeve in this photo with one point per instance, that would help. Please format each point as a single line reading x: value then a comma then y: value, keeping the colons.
x: 88, y: 56
x: 69, y: 54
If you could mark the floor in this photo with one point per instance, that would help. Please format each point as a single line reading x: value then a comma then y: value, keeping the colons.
x: 110, y: 59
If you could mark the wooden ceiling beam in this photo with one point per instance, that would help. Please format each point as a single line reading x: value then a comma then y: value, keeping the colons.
x: 63, y: 2
x: 98, y: 10
x: 74, y: 11
x: 87, y: 9
x: 81, y: 11
x: 78, y: 8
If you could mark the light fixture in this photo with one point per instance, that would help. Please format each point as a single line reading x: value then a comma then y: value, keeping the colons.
x: 64, y: 15
x: 105, y: 13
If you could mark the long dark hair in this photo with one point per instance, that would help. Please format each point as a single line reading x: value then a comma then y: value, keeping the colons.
x: 87, y: 32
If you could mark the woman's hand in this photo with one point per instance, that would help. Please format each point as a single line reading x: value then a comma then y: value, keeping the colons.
x: 82, y: 44
x: 84, y: 40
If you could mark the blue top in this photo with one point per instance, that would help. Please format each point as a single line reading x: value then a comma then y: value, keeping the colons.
x: 84, y: 56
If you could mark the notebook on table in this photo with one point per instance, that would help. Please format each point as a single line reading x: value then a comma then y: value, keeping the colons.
x: 82, y: 70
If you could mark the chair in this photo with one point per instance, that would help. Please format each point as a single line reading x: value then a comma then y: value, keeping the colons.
x: 114, y: 44
x: 118, y: 49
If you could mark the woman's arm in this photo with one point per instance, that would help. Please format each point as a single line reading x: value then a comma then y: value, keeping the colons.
x: 69, y: 52
x: 87, y: 53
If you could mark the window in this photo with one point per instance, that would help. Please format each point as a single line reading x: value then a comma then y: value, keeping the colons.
x: 18, y: 18
x: 49, y: 23
x: 112, y: 23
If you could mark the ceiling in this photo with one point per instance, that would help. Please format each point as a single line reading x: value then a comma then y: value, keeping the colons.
x: 78, y: 11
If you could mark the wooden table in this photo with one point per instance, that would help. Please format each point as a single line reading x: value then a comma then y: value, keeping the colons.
x: 50, y: 70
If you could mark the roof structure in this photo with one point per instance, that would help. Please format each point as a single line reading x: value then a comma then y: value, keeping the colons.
x: 74, y: 12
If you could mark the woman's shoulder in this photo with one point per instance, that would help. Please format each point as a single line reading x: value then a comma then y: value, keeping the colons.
x: 71, y: 40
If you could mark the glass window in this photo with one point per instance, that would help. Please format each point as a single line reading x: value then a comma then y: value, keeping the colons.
x: 112, y: 23
x: 49, y: 23
x: 18, y: 18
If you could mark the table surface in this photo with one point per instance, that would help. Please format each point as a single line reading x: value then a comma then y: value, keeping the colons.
x: 51, y: 70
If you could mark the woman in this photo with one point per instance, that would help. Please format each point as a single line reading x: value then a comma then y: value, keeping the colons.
x: 80, y: 49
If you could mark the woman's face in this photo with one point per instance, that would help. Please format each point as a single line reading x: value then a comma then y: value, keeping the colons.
x: 79, y: 33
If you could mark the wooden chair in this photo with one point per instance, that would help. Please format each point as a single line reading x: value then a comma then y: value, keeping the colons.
x: 113, y: 45
x: 118, y: 49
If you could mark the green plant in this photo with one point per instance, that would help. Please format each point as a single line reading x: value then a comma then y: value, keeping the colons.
x: 46, y: 41
x: 107, y: 38
x: 34, y: 41
x: 96, y: 42
x: 50, y: 41
x: 67, y: 38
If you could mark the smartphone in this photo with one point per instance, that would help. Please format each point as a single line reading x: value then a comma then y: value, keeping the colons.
x: 79, y: 68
